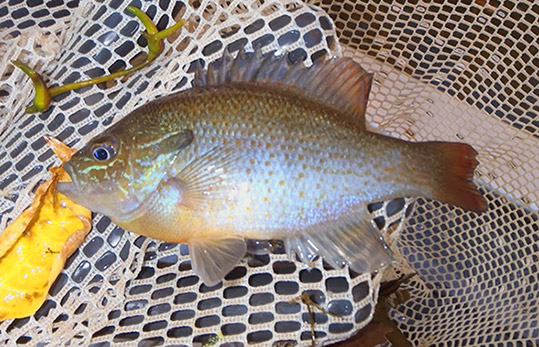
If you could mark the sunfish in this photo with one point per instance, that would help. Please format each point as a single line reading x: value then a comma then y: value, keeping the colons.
x: 261, y: 149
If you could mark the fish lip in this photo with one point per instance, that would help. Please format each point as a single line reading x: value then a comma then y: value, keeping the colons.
x: 71, y: 172
x: 67, y: 188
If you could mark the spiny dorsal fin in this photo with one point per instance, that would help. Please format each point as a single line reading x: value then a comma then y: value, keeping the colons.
x: 339, y: 82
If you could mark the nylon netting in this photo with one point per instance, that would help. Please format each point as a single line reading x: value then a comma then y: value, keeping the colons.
x: 458, y: 71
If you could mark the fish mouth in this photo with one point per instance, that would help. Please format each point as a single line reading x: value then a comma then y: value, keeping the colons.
x: 99, y: 197
x: 91, y: 197
x: 83, y: 193
x: 69, y: 189
x: 71, y: 172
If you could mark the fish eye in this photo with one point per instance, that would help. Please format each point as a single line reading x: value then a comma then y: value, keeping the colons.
x: 103, y: 152
x: 104, y: 148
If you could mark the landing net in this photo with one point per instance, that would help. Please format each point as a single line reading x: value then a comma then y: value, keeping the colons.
x: 461, y: 71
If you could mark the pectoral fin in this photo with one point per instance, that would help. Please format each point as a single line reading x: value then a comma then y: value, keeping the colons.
x: 213, y: 258
x: 209, y: 178
x: 351, y: 240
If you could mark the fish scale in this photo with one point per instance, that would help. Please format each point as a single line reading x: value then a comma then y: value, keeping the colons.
x: 309, y: 175
x: 259, y: 151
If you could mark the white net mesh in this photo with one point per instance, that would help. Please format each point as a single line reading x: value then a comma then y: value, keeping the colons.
x: 458, y: 71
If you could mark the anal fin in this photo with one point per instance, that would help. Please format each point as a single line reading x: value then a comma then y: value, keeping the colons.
x: 352, y: 240
x: 213, y: 258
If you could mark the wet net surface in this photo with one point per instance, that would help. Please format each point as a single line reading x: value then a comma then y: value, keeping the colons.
x: 455, y: 71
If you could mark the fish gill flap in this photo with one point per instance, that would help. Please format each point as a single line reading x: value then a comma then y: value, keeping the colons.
x: 153, y: 158
x: 340, y: 82
x: 214, y: 258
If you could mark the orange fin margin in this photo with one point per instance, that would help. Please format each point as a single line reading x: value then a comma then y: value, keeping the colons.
x: 457, y: 187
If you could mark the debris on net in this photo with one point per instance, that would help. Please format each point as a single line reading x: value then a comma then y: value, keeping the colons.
x: 43, y: 94
x: 381, y: 329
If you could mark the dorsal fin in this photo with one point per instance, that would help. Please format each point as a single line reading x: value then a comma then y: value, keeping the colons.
x: 339, y: 82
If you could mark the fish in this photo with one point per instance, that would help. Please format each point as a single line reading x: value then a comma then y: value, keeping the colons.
x: 262, y: 149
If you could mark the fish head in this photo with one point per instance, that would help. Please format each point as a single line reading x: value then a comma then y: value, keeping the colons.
x: 116, y: 172
x: 99, y: 175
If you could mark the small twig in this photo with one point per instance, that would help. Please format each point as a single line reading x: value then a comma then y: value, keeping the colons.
x: 305, y: 299
x: 388, y: 288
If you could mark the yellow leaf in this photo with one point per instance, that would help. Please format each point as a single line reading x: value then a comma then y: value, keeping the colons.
x: 34, y: 247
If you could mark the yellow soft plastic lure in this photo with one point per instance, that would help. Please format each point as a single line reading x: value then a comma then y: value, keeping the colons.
x: 34, y: 247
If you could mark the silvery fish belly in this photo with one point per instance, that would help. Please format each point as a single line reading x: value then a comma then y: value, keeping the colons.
x: 258, y: 149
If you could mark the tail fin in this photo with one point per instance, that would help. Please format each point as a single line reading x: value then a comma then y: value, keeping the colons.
x: 456, y: 166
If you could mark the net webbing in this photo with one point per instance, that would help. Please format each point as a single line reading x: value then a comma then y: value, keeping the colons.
x: 457, y: 71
